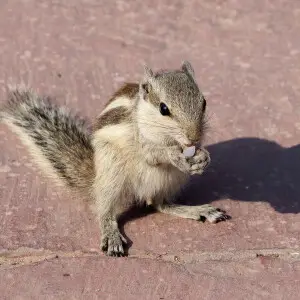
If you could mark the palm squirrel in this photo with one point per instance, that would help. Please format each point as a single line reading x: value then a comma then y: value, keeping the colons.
x: 134, y: 152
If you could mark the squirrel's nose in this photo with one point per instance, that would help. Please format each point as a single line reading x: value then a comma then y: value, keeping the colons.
x: 193, y: 134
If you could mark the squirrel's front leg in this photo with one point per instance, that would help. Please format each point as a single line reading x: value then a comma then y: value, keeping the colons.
x: 191, y: 165
x: 155, y: 155
x: 199, y: 162
x: 177, y: 159
x: 174, y: 155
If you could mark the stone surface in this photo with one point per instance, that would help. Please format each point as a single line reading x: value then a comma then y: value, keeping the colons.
x: 93, y: 278
x: 246, y: 56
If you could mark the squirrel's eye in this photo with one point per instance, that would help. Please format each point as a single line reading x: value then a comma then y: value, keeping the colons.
x: 164, y: 109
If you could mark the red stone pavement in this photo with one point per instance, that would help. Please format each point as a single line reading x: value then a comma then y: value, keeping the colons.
x: 247, y: 59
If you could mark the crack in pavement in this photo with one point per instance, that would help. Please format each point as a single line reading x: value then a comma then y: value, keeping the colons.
x: 288, y: 254
x: 29, y: 256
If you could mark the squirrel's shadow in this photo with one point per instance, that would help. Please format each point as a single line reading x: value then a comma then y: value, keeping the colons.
x: 244, y: 169
x: 249, y: 169
x: 133, y: 213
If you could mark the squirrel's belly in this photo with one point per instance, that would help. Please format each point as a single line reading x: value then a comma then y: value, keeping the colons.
x: 161, y: 182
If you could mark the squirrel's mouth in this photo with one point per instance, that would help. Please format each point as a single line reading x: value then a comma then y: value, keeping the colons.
x: 185, y: 143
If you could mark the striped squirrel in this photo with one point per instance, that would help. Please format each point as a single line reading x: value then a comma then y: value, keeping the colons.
x: 134, y: 152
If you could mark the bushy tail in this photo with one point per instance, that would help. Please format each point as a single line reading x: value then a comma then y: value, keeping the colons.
x: 59, y: 141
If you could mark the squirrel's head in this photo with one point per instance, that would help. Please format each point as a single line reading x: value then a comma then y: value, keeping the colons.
x: 171, y: 108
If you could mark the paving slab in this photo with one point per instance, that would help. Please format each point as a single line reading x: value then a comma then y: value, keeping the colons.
x: 246, y: 56
x: 98, y: 278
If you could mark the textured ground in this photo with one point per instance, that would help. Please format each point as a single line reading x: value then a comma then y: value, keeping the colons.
x: 246, y: 55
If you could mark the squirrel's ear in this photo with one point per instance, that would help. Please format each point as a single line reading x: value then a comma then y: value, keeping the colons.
x: 145, y: 85
x: 148, y: 73
x: 187, y: 68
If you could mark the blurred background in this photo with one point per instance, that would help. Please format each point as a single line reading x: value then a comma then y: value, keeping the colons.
x: 246, y: 54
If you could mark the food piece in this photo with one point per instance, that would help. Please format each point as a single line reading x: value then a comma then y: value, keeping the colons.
x: 189, y: 151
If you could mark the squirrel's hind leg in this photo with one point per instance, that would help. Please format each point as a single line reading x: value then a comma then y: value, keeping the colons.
x: 200, y: 212
x: 112, y: 240
x: 109, y: 205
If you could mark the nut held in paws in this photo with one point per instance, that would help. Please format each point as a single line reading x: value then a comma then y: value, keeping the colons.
x: 189, y: 151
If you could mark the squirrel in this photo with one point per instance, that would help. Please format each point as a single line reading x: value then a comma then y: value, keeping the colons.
x: 133, y: 152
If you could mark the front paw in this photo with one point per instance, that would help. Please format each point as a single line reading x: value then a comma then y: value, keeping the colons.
x: 112, y: 243
x: 199, y: 162
x: 178, y: 160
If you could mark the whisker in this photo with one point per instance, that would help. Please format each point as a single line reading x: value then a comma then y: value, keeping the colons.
x: 156, y: 125
x: 147, y: 122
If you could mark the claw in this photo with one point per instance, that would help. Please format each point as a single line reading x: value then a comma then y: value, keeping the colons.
x: 215, y: 215
x: 113, y: 245
x: 223, y: 218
